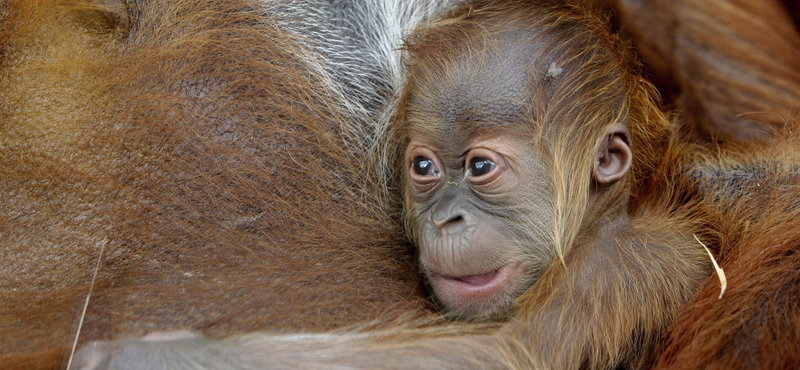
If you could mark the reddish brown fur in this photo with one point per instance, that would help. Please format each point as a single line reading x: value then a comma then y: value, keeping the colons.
x: 753, y: 219
x: 732, y: 69
x: 217, y: 193
x: 732, y: 66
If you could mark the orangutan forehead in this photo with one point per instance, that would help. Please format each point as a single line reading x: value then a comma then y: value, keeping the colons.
x: 459, y: 104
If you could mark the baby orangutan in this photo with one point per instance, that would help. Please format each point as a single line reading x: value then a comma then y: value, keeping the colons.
x: 521, y: 135
x: 501, y: 165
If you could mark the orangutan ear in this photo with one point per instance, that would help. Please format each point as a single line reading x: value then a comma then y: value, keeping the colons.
x: 614, y: 156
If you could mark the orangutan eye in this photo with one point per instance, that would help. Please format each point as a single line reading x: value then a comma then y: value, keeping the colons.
x: 479, y: 166
x: 424, y: 166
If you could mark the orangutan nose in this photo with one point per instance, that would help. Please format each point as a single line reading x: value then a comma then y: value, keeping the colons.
x: 450, y: 211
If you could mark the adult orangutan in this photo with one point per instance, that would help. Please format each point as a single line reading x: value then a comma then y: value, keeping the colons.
x: 203, y: 161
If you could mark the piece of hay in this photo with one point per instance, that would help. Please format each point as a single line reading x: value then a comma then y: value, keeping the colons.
x: 723, y: 282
